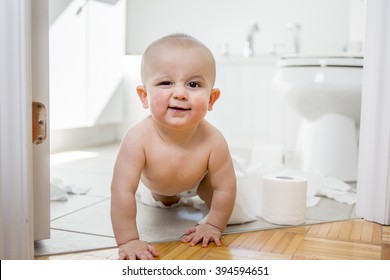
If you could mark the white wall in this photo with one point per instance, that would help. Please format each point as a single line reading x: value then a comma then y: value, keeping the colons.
x: 86, y: 50
x: 87, y: 44
x: 325, y: 23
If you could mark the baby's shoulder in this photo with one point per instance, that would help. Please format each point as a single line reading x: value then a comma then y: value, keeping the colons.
x: 212, y: 135
x: 139, y: 132
x: 207, y: 129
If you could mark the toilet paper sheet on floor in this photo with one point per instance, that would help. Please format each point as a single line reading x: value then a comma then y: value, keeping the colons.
x: 59, y: 190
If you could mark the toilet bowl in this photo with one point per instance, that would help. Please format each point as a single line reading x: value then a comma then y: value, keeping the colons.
x: 325, y: 91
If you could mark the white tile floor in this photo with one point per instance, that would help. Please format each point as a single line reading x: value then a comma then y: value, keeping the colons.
x: 87, y: 168
x: 83, y: 222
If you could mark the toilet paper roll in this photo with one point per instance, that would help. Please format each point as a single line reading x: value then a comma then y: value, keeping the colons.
x: 284, y: 199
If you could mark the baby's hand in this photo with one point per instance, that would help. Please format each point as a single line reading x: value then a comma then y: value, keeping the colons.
x: 137, y: 250
x: 205, y: 233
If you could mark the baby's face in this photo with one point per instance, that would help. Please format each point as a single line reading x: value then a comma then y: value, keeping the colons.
x: 179, y: 82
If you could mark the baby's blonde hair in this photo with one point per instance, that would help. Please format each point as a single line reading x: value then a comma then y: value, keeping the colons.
x: 177, y: 40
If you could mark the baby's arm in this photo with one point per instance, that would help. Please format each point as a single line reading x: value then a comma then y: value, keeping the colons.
x: 127, y: 170
x: 221, y: 177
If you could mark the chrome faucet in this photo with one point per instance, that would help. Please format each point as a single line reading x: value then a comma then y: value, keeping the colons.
x: 249, y: 45
x: 295, y: 27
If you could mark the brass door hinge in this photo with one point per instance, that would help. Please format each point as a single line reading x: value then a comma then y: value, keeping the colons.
x: 39, y: 123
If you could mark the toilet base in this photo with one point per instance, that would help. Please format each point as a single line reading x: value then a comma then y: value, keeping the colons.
x: 329, y: 146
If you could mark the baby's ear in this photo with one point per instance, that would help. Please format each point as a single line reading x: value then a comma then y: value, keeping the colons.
x: 215, y: 93
x: 142, y: 94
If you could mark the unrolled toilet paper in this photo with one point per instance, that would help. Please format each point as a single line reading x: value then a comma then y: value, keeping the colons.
x: 284, y: 199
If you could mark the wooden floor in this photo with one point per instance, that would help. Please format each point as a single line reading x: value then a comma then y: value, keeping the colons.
x: 345, y: 240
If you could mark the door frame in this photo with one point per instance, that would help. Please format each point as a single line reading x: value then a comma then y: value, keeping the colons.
x: 24, y: 78
x: 16, y: 185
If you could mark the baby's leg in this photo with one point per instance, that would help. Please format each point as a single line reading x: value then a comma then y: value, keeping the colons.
x: 166, y: 200
x: 205, y: 190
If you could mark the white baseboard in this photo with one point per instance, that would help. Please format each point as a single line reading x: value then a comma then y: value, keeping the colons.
x: 76, y: 138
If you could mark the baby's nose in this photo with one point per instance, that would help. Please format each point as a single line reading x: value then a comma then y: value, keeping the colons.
x: 180, y: 93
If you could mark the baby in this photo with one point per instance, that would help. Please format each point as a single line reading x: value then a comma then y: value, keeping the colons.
x: 174, y: 149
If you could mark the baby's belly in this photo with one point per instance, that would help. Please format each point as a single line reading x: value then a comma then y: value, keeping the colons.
x: 172, y: 186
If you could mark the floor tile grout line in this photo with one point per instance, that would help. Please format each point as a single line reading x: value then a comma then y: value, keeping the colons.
x: 82, y: 208
x: 83, y: 233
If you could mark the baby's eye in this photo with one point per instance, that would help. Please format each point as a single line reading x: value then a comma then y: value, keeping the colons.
x: 165, y: 83
x: 193, y: 84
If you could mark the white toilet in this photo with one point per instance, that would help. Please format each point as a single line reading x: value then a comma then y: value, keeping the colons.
x: 326, y: 92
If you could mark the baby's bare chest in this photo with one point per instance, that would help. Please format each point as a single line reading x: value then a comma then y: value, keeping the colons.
x: 176, y: 166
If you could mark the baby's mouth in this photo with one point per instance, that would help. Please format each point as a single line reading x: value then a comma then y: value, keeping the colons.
x: 178, y: 108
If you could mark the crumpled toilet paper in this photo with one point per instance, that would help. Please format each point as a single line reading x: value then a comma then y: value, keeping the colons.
x: 338, y: 190
x: 59, y: 190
